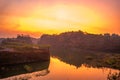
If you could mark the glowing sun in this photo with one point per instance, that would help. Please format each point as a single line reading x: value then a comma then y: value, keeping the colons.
x: 61, y: 13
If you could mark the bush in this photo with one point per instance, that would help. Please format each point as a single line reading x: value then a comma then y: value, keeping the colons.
x: 114, y: 76
x: 111, y: 61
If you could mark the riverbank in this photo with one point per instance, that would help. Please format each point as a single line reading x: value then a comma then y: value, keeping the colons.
x: 16, y: 57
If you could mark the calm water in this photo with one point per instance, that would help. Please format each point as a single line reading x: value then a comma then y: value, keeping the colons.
x: 58, y: 70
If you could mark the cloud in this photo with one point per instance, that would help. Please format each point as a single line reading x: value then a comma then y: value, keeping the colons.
x: 12, y: 10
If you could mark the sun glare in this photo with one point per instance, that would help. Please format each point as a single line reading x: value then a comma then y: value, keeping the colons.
x: 61, y: 18
x: 61, y: 14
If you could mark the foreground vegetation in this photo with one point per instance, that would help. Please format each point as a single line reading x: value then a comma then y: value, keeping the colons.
x: 114, y: 76
x: 22, y: 43
x: 21, y: 50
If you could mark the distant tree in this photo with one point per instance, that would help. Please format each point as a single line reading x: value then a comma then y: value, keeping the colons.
x: 81, y: 40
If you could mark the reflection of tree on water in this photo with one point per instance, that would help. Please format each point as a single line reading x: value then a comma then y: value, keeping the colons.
x: 80, y: 47
x: 90, y: 58
x: 11, y: 70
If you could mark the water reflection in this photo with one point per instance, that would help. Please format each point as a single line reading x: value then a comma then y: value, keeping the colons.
x: 12, y: 70
x: 91, y: 58
x: 60, y: 70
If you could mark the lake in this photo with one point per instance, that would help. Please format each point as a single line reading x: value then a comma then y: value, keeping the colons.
x: 59, y: 70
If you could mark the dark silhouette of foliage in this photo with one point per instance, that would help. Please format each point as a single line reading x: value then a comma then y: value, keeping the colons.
x: 86, y: 41
x: 20, y: 39
x: 77, y: 48
x: 114, y: 76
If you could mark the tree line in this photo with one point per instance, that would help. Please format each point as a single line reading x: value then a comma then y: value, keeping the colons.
x: 82, y: 40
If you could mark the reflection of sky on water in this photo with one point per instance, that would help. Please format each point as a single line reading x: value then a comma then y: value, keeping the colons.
x: 62, y: 71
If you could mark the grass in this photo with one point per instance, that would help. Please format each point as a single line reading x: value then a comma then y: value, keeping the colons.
x: 110, y: 61
x: 19, y: 46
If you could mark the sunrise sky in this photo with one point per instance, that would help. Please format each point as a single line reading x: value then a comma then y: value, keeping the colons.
x: 36, y: 17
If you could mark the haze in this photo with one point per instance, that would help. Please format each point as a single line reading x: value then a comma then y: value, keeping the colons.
x: 37, y: 17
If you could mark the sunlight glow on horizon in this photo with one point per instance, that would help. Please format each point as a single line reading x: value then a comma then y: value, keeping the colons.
x: 58, y: 18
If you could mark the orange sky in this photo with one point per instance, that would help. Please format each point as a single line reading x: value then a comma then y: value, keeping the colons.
x: 36, y: 17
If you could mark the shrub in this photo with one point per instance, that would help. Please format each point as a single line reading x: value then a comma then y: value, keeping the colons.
x: 114, y: 76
